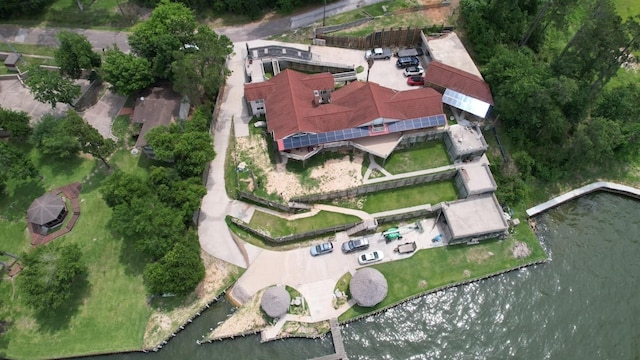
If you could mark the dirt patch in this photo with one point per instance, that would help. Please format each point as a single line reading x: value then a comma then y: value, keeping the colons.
x: 335, y: 174
x: 292, y: 328
x: 167, y: 317
x: 440, y: 15
x: 478, y: 255
x: 247, y: 318
x: 520, y: 250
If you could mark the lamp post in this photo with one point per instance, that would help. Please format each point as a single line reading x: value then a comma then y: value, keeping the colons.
x: 324, y: 12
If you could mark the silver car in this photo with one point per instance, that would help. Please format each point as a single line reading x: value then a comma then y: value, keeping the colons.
x: 370, y: 257
x: 355, y: 245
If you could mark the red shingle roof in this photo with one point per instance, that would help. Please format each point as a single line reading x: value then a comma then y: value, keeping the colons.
x: 455, y: 79
x: 291, y: 109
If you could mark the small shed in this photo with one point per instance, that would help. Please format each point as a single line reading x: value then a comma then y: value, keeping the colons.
x: 275, y: 301
x: 368, y: 287
x: 473, y: 219
x: 11, y: 61
x: 47, y: 212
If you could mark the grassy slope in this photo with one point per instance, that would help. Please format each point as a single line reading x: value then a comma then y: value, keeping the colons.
x: 278, y: 226
x: 627, y: 8
x: 110, y: 314
x: 422, y: 156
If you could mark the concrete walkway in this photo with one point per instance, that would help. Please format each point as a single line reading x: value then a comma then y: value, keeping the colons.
x: 587, y: 189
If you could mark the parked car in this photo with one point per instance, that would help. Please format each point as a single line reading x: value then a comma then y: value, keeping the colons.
x: 370, y: 257
x: 320, y: 249
x: 378, y: 53
x: 407, y: 61
x: 355, y: 245
x: 413, y: 71
x: 415, y: 80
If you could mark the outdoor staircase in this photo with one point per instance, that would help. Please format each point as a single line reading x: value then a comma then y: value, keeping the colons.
x: 276, y: 66
x: 367, y: 224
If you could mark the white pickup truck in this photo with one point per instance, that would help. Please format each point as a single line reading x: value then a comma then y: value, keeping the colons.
x: 378, y: 53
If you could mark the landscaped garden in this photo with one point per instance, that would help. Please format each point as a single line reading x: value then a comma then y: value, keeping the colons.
x: 277, y: 226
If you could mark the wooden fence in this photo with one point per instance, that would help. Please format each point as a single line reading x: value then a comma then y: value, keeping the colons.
x: 370, y: 188
x: 292, y: 237
x: 398, y: 37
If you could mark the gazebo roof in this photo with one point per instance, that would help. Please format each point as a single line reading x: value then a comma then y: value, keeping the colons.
x: 45, y: 209
x: 368, y: 287
x: 275, y: 301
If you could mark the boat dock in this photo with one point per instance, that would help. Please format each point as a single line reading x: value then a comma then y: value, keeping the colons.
x: 587, y: 189
x: 338, y: 345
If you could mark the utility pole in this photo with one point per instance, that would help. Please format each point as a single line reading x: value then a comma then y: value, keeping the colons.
x: 324, y: 12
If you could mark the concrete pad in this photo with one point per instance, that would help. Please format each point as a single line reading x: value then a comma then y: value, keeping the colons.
x: 16, y: 97
x: 102, y: 114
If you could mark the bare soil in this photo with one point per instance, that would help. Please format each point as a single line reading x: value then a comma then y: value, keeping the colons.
x: 335, y: 174
x: 246, y: 319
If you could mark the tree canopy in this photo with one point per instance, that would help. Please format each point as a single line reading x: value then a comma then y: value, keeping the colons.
x: 15, y: 122
x: 51, y: 87
x: 51, y: 137
x: 126, y: 73
x: 48, y: 276
x: 16, y: 164
x: 75, y: 54
x: 89, y: 139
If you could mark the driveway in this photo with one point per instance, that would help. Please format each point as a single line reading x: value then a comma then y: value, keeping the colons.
x: 17, y: 97
x: 102, y: 114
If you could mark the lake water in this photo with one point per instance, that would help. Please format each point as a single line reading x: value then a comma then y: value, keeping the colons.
x: 583, y: 304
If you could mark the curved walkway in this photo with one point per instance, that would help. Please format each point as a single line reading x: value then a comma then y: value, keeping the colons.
x: 587, y: 189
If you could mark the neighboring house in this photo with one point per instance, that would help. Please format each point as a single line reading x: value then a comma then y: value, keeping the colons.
x: 156, y: 106
x: 473, y: 219
x: 305, y: 115
x: 462, y: 90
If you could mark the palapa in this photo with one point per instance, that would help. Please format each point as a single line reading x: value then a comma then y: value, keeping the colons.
x: 275, y: 301
x: 368, y: 287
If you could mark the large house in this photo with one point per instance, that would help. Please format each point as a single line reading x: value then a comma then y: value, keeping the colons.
x: 305, y: 115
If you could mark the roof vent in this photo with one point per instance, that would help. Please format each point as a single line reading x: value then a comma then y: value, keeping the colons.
x: 321, y: 97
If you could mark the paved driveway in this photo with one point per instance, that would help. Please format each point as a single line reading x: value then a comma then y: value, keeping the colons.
x: 17, y: 97
x: 102, y: 114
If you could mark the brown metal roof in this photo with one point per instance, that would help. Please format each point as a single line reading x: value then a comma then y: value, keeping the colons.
x: 458, y: 80
x: 45, y: 209
x: 160, y: 106
x: 289, y: 102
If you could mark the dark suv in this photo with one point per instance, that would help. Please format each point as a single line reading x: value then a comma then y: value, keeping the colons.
x: 407, y: 61
x: 355, y: 245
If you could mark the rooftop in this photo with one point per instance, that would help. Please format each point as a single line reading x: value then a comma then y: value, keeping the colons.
x: 466, y: 139
x: 477, y: 178
x: 156, y: 106
x: 466, y: 83
x: 477, y: 215
x: 449, y: 50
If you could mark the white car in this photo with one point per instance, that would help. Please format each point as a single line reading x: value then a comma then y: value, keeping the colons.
x: 370, y: 257
x: 413, y: 71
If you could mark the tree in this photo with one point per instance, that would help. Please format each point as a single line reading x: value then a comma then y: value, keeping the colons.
x: 51, y: 87
x: 121, y: 188
x: 15, y: 164
x: 90, y: 140
x: 48, y: 276
x: 75, y: 54
x: 200, y: 70
x: 51, y: 137
x: 126, y: 73
x: 163, y: 140
x: 15, y: 122
x: 179, y: 271
x: 150, y: 224
x: 192, y: 153
x: 170, y: 27
x: 182, y: 195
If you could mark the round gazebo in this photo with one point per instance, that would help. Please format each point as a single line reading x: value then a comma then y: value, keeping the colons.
x: 275, y: 301
x: 368, y: 287
x: 46, y: 212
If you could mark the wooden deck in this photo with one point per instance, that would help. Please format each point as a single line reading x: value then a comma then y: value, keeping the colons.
x: 338, y: 344
x: 71, y: 192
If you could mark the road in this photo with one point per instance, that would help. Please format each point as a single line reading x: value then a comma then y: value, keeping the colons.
x: 101, y: 39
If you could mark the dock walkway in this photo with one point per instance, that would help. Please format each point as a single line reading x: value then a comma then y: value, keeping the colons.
x: 587, y: 189
x: 338, y: 344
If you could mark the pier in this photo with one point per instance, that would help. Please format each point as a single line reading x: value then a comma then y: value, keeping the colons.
x: 338, y: 345
x: 587, y: 189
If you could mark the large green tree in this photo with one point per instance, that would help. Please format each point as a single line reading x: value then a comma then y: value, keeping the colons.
x: 121, y: 187
x: 15, y: 122
x: 182, y: 195
x: 170, y: 27
x: 48, y: 276
x: 51, y: 87
x: 51, y: 137
x: 89, y: 139
x: 200, y: 70
x: 126, y: 73
x: 179, y: 271
x: 16, y: 164
x: 75, y: 54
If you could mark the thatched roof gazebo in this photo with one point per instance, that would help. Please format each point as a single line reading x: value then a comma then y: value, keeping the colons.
x: 47, y: 211
x: 368, y: 287
x: 275, y: 301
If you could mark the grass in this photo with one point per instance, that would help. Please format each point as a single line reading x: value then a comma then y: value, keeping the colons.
x: 430, y: 269
x: 427, y: 155
x: 29, y: 49
x: 230, y: 174
x: 123, y: 130
x: 627, y: 8
x: 429, y: 193
x: 101, y: 317
x: 277, y: 226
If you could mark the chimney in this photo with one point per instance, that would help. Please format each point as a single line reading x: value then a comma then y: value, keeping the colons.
x: 325, y: 96
x: 317, y: 100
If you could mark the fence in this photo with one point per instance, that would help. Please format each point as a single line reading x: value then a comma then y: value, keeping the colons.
x: 421, y: 213
x: 292, y: 237
x: 370, y: 188
x: 378, y: 38
x: 266, y: 202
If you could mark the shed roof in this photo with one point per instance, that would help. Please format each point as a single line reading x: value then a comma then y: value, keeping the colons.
x: 156, y: 106
x: 477, y: 178
x: 461, y: 81
x: 474, y: 216
x: 466, y: 139
x: 12, y: 59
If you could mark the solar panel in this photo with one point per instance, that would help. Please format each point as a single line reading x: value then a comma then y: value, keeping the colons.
x: 306, y: 140
x: 466, y: 103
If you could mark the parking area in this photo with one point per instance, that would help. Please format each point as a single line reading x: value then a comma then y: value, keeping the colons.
x: 17, y: 97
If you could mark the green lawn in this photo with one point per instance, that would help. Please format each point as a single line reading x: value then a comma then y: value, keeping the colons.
x: 430, y: 193
x: 627, y: 8
x: 277, y: 226
x: 430, y: 269
x: 29, y: 49
x: 427, y: 155
x: 110, y: 314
